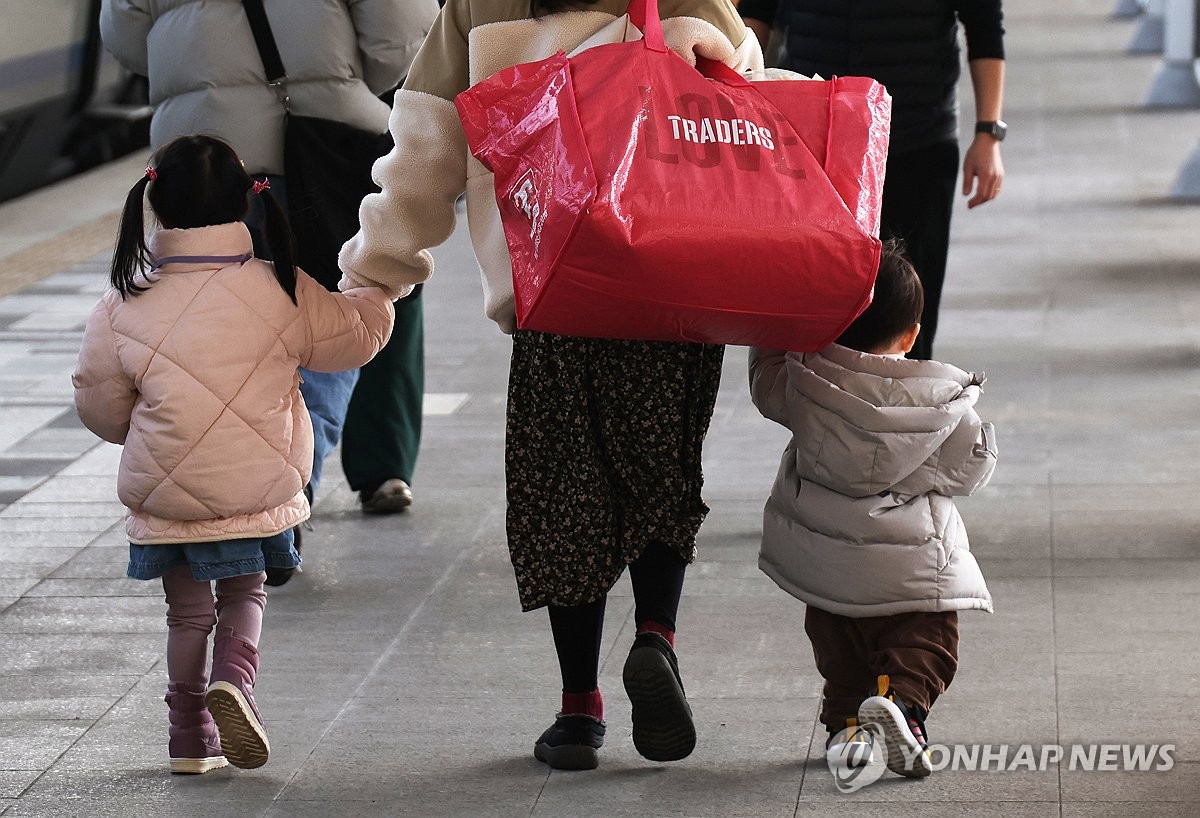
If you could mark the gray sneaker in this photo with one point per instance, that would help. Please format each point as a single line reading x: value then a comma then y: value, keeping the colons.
x: 392, y: 497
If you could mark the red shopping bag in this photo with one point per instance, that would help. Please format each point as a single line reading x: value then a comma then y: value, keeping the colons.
x: 643, y: 199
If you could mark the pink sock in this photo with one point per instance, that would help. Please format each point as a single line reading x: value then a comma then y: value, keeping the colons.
x: 661, y: 630
x: 589, y: 704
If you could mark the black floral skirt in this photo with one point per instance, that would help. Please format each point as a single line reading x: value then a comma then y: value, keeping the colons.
x: 602, y: 456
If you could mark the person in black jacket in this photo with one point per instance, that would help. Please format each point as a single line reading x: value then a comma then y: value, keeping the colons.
x: 912, y: 48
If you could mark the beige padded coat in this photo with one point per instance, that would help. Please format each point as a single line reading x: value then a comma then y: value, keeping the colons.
x: 197, y: 377
x: 861, y: 520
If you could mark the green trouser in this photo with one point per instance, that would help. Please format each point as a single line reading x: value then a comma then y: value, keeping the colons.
x: 383, y: 422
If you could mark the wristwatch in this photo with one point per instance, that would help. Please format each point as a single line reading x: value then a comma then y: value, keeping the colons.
x: 996, y: 129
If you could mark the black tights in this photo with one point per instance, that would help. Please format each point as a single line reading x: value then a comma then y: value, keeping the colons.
x: 657, y: 577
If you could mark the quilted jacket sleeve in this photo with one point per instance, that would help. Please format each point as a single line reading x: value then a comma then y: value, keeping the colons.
x: 124, y: 27
x: 768, y: 383
x: 104, y: 392
x: 346, y: 329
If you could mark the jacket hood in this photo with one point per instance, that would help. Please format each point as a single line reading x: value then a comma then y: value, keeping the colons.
x: 877, y: 422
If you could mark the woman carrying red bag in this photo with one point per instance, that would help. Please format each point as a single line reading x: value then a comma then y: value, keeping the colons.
x: 604, y: 438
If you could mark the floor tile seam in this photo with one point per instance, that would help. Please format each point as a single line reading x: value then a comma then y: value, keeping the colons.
x: 477, y: 544
x: 1050, y: 497
x: 84, y: 733
x: 626, y: 620
x: 67, y: 462
x: 804, y: 768
x: 39, y: 336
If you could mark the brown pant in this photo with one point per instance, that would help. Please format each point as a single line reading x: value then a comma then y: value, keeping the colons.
x: 918, y: 651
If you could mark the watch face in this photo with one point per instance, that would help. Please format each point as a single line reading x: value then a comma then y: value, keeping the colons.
x: 997, y: 129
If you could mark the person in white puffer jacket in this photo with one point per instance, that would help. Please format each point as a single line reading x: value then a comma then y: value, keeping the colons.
x: 861, y: 524
x: 206, y: 76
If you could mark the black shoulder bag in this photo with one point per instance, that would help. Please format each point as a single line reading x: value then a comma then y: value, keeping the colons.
x: 327, y: 165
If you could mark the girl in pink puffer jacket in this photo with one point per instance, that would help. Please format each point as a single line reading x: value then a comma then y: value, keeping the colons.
x: 190, y: 362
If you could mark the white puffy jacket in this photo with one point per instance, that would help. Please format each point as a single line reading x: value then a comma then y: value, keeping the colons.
x: 860, y: 521
x: 206, y: 75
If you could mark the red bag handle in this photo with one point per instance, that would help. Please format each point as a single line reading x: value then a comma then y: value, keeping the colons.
x: 717, y: 70
x: 644, y: 15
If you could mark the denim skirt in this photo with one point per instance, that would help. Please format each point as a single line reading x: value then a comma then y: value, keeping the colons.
x: 214, y: 560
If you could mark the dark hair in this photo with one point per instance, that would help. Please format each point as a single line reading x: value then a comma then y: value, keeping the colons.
x: 196, y: 181
x: 539, y: 7
x: 897, y: 304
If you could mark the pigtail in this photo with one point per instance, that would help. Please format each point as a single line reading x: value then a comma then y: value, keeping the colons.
x: 280, y: 243
x: 131, y: 254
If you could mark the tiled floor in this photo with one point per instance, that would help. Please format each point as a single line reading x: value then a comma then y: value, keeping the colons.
x: 400, y: 677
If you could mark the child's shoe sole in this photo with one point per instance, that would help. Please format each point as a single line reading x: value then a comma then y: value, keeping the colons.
x: 905, y: 755
x: 242, y: 736
x: 197, y: 766
x: 662, y: 720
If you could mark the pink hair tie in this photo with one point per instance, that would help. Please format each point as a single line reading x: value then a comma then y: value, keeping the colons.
x: 151, y: 174
x: 259, y: 187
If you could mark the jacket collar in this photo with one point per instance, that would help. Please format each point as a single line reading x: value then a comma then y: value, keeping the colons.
x: 203, y: 247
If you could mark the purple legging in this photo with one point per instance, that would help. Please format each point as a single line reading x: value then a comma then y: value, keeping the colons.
x: 192, y: 613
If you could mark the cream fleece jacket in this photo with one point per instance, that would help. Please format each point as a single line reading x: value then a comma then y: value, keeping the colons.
x: 431, y: 167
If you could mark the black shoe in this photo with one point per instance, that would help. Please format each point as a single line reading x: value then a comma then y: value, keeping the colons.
x: 571, y: 743
x: 662, y: 719
x: 280, y: 576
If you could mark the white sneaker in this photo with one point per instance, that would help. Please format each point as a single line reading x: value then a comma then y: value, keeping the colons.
x: 903, y: 728
x: 849, y: 748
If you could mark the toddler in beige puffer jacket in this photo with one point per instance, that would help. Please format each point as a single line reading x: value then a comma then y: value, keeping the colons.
x: 192, y: 366
x: 861, y: 524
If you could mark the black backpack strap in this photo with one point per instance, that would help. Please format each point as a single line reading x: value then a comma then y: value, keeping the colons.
x: 265, y: 40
